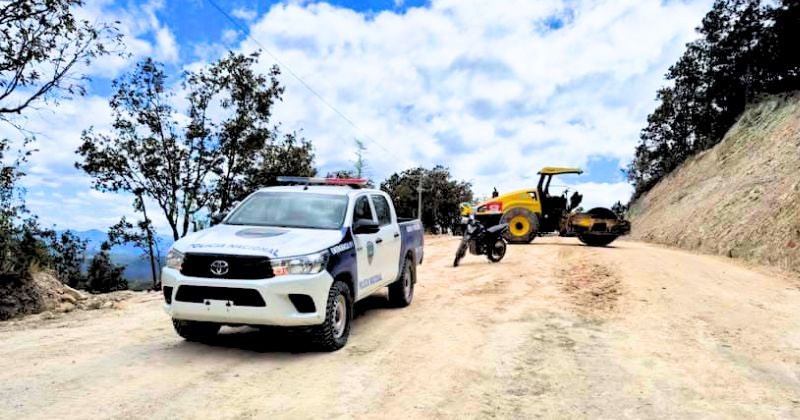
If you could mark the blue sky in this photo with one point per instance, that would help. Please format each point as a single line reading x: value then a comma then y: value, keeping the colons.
x: 493, y: 90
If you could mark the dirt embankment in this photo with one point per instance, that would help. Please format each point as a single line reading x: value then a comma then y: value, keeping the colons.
x: 739, y: 199
x: 43, y: 293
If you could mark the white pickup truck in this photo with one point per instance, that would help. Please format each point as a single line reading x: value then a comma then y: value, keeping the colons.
x: 294, y: 256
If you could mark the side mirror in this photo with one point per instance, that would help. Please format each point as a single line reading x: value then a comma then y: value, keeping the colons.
x: 362, y: 226
x: 217, y: 218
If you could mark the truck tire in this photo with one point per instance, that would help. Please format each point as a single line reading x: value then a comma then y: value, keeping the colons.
x: 522, y: 226
x: 401, y: 292
x: 596, y: 240
x: 332, y: 334
x: 195, y: 330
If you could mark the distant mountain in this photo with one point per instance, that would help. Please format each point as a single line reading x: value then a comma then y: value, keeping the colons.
x: 137, y: 266
x: 95, y: 238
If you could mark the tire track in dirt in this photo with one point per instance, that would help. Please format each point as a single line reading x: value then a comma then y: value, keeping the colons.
x: 551, y: 348
x: 593, y: 287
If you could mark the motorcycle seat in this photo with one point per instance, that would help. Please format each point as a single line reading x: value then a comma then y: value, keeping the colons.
x: 498, y: 228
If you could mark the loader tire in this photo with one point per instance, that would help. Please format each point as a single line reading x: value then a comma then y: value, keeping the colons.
x: 522, y: 226
x: 597, y: 240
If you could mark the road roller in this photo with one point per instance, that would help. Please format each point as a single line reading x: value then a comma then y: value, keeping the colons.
x: 534, y: 211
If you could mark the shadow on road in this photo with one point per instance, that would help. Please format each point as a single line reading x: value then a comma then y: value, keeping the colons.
x: 284, y: 340
x: 535, y: 243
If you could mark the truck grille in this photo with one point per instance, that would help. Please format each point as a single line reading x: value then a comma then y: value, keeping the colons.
x: 226, y: 266
x: 239, y: 297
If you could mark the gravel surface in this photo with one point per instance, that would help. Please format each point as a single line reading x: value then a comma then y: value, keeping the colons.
x: 556, y: 330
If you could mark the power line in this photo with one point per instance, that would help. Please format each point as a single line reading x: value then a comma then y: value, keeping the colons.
x: 293, y: 74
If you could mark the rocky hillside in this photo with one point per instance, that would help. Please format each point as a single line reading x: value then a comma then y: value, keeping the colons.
x: 739, y: 199
x: 42, y: 292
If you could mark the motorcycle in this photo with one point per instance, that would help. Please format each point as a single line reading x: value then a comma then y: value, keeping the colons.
x: 482, y: 241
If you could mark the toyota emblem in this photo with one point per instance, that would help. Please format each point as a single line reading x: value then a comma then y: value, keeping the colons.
x: 219, y: 268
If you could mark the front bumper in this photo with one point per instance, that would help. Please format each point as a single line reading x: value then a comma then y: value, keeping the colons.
x: 278, y: 309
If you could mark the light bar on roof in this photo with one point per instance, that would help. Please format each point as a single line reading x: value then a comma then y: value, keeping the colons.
x: 323, y: 181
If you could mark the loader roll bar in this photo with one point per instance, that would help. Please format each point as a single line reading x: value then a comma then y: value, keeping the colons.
x: 548, y: 170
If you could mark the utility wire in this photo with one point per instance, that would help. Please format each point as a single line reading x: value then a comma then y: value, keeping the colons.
x: 293, y: 74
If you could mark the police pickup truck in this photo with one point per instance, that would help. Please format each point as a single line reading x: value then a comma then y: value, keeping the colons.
x: 296, y: 256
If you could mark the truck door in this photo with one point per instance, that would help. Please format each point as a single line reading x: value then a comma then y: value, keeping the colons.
x: 388, y: 241
x: 368, y: 266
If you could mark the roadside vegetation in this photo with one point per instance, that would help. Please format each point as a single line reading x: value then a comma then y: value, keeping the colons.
x: 747, y: 49
x: 43, y: 47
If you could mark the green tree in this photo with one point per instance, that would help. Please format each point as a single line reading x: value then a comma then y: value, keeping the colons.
x: 42, y: 47
x: 441, y: 197
x: 291, y: 156
x: 12, y: 209
x: 67, y: 254
x: 142, y: 236
x: 30, y: 250
x: 746, y: 48
x: 103, y: 276
x: 205, y: 165
x: 238, y: 141
x: 342, y: 173
x: 619, y: 209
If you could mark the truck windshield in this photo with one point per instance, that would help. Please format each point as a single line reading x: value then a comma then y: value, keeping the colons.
x: 286, y: 209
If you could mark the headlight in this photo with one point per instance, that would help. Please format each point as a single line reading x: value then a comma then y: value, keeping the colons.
x: 303, y: 264
x: 174, y: 259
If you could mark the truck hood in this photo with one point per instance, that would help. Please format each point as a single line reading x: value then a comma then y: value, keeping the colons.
x: 258, y: 241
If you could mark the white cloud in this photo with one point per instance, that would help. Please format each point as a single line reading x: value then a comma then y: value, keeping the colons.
x: 493, y: 90
x: 166, y: 49
x: 143, y: 35
x: 244, y: 13
x: 229, y: 35
x: 485, y: 88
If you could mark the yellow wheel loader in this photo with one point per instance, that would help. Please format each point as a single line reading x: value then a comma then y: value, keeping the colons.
x: 533, y: 211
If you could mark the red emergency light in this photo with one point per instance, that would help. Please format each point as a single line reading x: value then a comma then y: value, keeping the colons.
x: 303, y: 180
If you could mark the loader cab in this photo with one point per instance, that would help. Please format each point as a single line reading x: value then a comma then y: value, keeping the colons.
x: 553, y: 206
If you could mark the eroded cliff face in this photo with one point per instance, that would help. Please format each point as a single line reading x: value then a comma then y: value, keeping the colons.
x: 739, y: 199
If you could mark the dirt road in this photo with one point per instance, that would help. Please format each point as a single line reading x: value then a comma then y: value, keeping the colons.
x: 556, y: 330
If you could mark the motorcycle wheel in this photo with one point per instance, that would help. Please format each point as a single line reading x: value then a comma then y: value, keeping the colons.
x: 497, y: 251
x: 462, y: 250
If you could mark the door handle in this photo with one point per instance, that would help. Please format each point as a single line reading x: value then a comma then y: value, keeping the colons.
x: 397, y: 234
x: 379, y: 240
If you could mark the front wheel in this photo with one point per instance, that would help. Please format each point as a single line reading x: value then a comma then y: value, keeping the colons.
x: 497, y: 250
x: 401, y: 292
x: 332, y: 334
x: 460, y: 253
x: 195, y: 330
